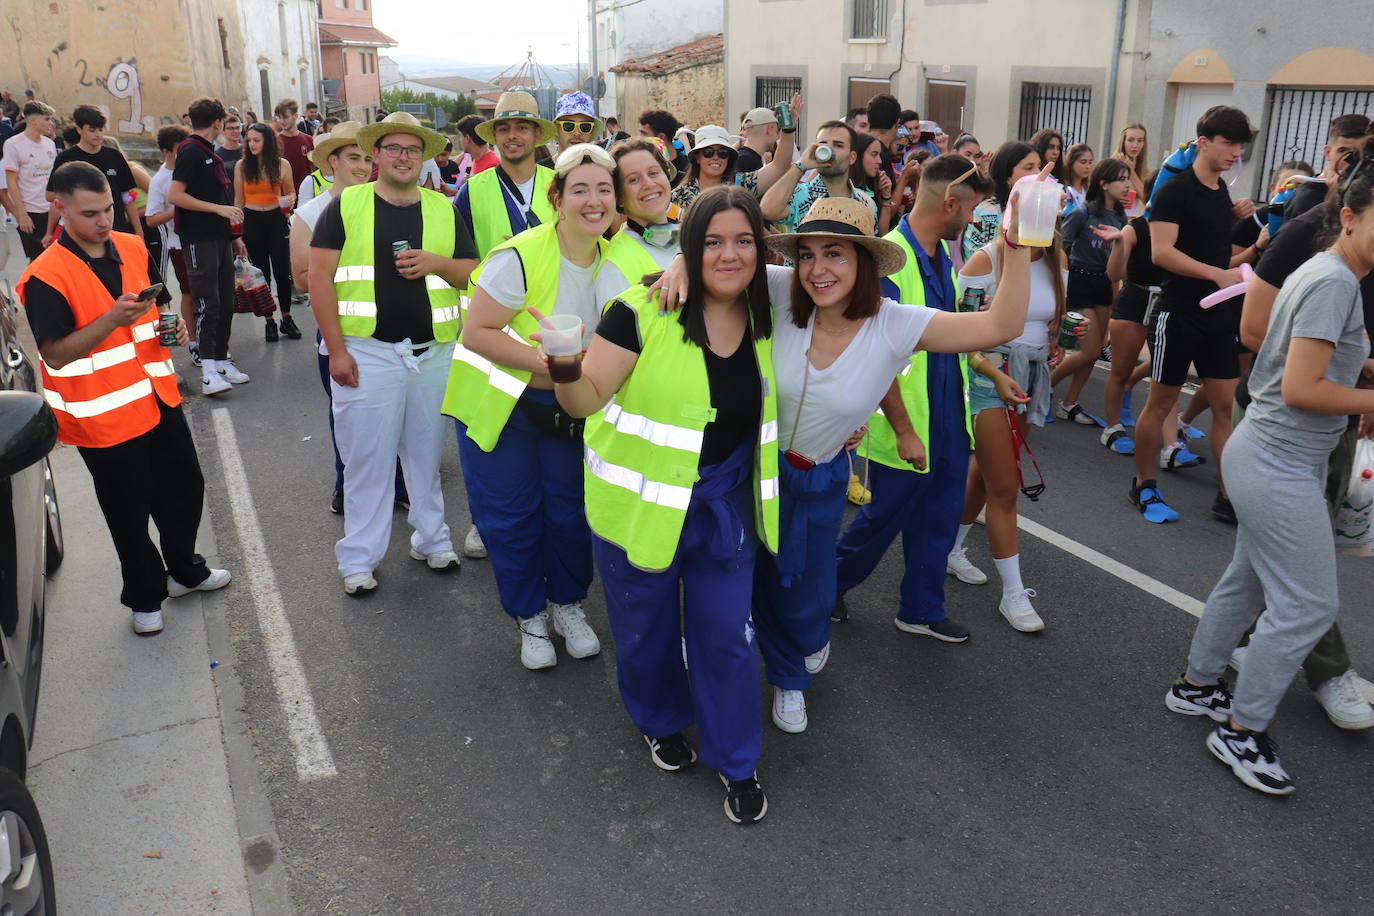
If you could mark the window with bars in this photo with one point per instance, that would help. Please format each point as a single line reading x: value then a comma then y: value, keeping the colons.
x: 1298, y: 119
x: 869, y: 19
x: 1061, y: 107
x: 770, y: 90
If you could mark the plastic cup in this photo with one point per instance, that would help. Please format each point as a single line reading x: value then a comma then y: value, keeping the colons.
x: 1039, y: 210
x: 284, y: 202
x: 562, y: 337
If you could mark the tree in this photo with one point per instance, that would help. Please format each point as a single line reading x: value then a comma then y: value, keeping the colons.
x: 452, y: 108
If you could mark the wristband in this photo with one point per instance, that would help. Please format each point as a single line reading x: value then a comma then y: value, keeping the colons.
x: 1014, y: 246
x: 789, y: 130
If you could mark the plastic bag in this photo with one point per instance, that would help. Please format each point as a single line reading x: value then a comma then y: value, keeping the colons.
x: 246, y: 276
x: 1355, y: 520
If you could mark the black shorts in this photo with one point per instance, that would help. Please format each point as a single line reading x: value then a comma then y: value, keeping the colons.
x: 1088, y: 289
x: 1206, y: 340
x: 1131, y: 304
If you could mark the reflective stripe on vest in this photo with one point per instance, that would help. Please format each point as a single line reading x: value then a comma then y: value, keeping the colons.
x: 355, y: 277
x: 110, y: 395
x: 643, y: 449
x: 913, y: 381
x: 480, y: 393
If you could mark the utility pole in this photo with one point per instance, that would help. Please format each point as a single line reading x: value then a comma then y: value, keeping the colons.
x: 591, y: 44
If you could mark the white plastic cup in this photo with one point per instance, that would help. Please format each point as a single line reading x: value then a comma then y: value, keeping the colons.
x: 562, y: 335
x: 1038, y: 210
x: 284, y: 204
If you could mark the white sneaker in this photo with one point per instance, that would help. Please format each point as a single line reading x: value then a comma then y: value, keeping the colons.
x: 1238, y: 656
x: 439, y: 561
x: 147, y: 623
x: 789, y: 710
x: 816, y: 661
x: 231, y: 372
x: 1016, y: 607
x: 218, y: 578
x: 570, y: 622
x: 473, y: 546
x: 1345, y: 705
x: 958, y: 566
x: 359, y: 583
x: 214, y: 384
x: 536, y: 649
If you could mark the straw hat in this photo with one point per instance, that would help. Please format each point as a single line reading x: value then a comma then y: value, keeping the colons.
x: 398, y: 122
x: 516, y: 106
x: 848, y: 220
x: 344, y: 134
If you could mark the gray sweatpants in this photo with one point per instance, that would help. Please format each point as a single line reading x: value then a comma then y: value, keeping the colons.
x: 1284, y: 563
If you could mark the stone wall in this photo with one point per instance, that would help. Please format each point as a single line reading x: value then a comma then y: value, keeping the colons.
x: 695, y: 95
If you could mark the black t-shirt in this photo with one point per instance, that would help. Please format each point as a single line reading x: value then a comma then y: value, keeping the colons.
x: 736, y: 393
x: 1308, y: 195
x: 747, y: 161
x: 1203, y: 217
x: 449, y: 172
x: 230, y: 156
x: 50, y: 315
x: 203, y: 173
x: 886, y: 165
x: 1140, y: 266
x: 113, y: 166
x: 403, y: 309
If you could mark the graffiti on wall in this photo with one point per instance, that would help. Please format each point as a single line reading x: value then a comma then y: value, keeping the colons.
x: 123, y: 84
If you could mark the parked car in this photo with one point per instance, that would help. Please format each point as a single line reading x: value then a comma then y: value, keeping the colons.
x: 30, y: 549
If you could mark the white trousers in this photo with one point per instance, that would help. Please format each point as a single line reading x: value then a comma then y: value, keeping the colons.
x: 393, y: 411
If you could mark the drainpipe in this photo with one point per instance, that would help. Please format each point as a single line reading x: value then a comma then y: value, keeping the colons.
x: 1112, y: 79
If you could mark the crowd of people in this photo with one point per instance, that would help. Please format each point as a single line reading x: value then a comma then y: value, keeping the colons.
x: 664, y: 354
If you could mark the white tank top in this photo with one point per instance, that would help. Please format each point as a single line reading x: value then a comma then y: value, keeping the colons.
x: 1042, y: 307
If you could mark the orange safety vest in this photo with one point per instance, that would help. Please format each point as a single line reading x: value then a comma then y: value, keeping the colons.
x: 110, y: 395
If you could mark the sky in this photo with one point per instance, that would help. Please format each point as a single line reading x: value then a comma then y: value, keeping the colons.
x: 498, y: 32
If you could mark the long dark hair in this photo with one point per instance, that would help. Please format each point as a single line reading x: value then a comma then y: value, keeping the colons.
x: 857, y: 176
x: 267, y: 165
x: 1008, y: 155
x: 1040, y: 142
x: 1106, y: 170
x: 726, y: 177
x: 713, y: 201
x: 1355, y: 190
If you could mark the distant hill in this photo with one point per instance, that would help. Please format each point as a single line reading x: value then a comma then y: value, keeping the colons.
x: 418, y: 65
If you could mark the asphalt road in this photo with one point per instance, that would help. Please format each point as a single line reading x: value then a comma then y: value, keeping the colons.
x: 1014, y: 773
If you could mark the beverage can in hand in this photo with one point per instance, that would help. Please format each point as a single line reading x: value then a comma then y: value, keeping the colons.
x: 825, y: 154
x: 1067, y: 338
x: 398, y: 247
x: 167, y: 328
x: 974, y: 300
x: 784, y: 115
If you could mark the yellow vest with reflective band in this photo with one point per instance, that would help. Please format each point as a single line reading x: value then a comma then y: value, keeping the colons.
x: 626, y: 253
x: 642, y: 449
x: 354, y: 282
x: 881, y: 445
x: 490, y: 220
x: 480, y: 393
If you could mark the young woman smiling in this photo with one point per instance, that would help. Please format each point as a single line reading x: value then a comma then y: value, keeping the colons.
x: 261, y: 178
x: 521, y: 454
x: 682, y: 486
x: 648, y: 241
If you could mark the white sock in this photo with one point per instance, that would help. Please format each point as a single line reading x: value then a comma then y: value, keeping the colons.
x: 963, y: 533
x: 1009, y: 570
x: 208, y: 367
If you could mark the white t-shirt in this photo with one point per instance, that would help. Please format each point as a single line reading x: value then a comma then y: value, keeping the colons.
x: 503, y: 278
x: 310, y: 211
x: 841, y: 397
x: 430, y: 169
x: 158, y: 187
x: 1042, y: 307
x: 306, y: 192
x: 611, y: 281
x: 32, y: 161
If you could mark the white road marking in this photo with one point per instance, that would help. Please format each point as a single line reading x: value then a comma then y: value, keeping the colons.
x: 1151, y: 586
x: 313, y: 758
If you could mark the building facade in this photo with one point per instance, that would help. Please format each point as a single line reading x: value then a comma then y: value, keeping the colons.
x: 685, y: 80
x: 281, y: 54
x: 630, y: 30
x: 1000, y: 69
x: 349, y: 59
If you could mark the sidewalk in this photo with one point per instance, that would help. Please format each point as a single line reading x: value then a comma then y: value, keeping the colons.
x: 136, y: 739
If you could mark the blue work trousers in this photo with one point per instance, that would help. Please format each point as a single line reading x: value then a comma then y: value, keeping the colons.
x: 525, y: 496
x: 794, y: 592
x: 702, y: 596
x: 925, y: 510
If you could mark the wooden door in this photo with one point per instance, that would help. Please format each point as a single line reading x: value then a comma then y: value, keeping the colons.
x: 945, y: 106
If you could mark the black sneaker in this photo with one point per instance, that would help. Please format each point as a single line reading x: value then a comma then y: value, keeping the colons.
x: 271, y: 331
x: 288, y: 327
x: 745, y: 802
x: 672, y: 753
x: 1222, y: 510
x: 1253, y: 757
x: 336, y: 503
x: 1213, y: 701
x: 840, y: 613
x: 944, y: 630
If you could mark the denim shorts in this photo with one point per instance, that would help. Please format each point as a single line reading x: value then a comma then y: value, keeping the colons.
x: 982, y: 393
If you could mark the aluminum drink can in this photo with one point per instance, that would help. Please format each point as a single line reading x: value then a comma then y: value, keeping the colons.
x: 1067, y: 339
x: 825, y: 154
x: 398, y: 247
x: 784, y: 115
x: 973, y: 299
x: 167, y: 328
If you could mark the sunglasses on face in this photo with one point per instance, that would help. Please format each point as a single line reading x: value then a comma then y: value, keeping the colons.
x: 569, y: 127
x: 714, y: 152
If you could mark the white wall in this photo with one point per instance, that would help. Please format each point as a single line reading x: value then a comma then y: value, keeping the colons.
x: 264, y: 47
x: 629, y: 29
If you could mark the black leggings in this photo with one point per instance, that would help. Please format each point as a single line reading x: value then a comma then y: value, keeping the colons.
x: 265, y: 236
